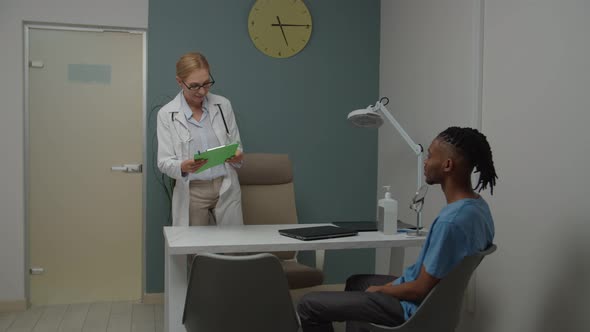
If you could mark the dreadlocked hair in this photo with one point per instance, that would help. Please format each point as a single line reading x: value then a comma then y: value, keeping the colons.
x: 474, y: 146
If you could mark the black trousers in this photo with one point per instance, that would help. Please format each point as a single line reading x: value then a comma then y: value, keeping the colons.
x: 317, y: 310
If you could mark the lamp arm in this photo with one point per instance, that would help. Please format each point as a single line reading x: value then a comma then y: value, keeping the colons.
x: 417, y: 148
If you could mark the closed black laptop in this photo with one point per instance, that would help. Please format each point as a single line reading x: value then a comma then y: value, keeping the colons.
x: 317, y: 232
x: 368, y: 226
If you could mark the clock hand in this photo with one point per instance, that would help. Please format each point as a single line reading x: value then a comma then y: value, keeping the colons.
x: 282, y: 30
x: 290, y: 25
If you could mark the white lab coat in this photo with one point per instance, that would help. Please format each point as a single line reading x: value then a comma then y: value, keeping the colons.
x: 173, y: 147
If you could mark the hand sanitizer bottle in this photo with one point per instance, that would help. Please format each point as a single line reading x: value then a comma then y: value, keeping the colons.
x: 387, y: 214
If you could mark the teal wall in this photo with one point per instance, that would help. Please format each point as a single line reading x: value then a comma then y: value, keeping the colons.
x: 296, y: 106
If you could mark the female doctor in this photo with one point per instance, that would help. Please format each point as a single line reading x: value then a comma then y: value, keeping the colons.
x: 197, y: 120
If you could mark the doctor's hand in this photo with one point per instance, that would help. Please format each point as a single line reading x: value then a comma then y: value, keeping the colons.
x: 238, y: 157
x: 191, y: 165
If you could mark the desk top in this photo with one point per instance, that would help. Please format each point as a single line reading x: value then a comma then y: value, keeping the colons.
x: 182, y: 240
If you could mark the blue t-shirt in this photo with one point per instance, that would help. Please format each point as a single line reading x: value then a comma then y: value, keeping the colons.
x: 461, y: 229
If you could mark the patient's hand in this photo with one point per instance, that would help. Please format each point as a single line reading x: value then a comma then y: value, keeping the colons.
x: 374, y: 289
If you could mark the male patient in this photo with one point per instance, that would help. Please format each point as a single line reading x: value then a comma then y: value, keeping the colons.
x: 463, y: 228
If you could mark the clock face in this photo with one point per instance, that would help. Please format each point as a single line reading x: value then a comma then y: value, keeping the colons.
x: 279, y: 28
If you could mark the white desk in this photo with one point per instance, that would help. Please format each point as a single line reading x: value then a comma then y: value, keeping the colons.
x: 180, y: 241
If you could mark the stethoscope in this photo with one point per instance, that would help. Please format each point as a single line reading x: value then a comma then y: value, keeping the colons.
x: 222, y: 118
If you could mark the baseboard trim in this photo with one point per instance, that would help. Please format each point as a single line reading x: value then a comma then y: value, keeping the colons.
x: 153, y: 298
x: 12, y: 306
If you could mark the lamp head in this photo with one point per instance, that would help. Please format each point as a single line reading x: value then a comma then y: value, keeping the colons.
x: 366, y: 118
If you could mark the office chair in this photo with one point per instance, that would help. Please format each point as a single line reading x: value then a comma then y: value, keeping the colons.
x: 238, y: 293
x: 268, y: 197
x: 441, y: 309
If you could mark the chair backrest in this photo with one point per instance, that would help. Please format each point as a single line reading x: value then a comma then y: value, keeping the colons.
x: 441, y: 309
x: 238, y: 293
x: 268, y: 195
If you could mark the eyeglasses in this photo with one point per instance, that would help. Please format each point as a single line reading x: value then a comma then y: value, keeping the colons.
x: 197, y: 87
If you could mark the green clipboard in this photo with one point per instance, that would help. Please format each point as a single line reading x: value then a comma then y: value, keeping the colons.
x: 216, y: 156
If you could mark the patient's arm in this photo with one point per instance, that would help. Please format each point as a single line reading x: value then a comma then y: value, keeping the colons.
x: 414, y: 291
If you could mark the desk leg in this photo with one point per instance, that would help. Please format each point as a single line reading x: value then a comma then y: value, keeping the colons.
x: 175, y: 291
x: 389, y: 261
x: 319, y: 259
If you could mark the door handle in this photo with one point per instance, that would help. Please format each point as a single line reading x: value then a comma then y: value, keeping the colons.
x: 128, y: 168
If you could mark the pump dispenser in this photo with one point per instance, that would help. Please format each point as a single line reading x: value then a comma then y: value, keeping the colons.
x: 387, y: 214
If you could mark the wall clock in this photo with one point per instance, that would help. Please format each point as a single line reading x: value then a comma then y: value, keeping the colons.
x: 280, y: 28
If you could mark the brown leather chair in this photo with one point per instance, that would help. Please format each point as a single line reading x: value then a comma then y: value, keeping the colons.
x: 268, y: 197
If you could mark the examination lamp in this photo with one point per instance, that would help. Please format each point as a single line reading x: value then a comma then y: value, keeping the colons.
x: 370, y: 117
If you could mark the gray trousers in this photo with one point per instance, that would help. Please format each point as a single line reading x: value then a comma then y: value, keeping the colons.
x: 317, y: 310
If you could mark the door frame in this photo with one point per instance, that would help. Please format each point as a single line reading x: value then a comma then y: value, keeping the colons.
x: 27, y: 26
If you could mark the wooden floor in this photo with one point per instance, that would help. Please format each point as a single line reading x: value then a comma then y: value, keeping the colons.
x: 93, y: 317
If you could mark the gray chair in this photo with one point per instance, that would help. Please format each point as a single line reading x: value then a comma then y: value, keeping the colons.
x: 238, y: 293
x: 268, y: 197
x: 441, y: 309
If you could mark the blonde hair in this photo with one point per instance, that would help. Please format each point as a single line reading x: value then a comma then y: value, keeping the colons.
x: 190, y: 62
